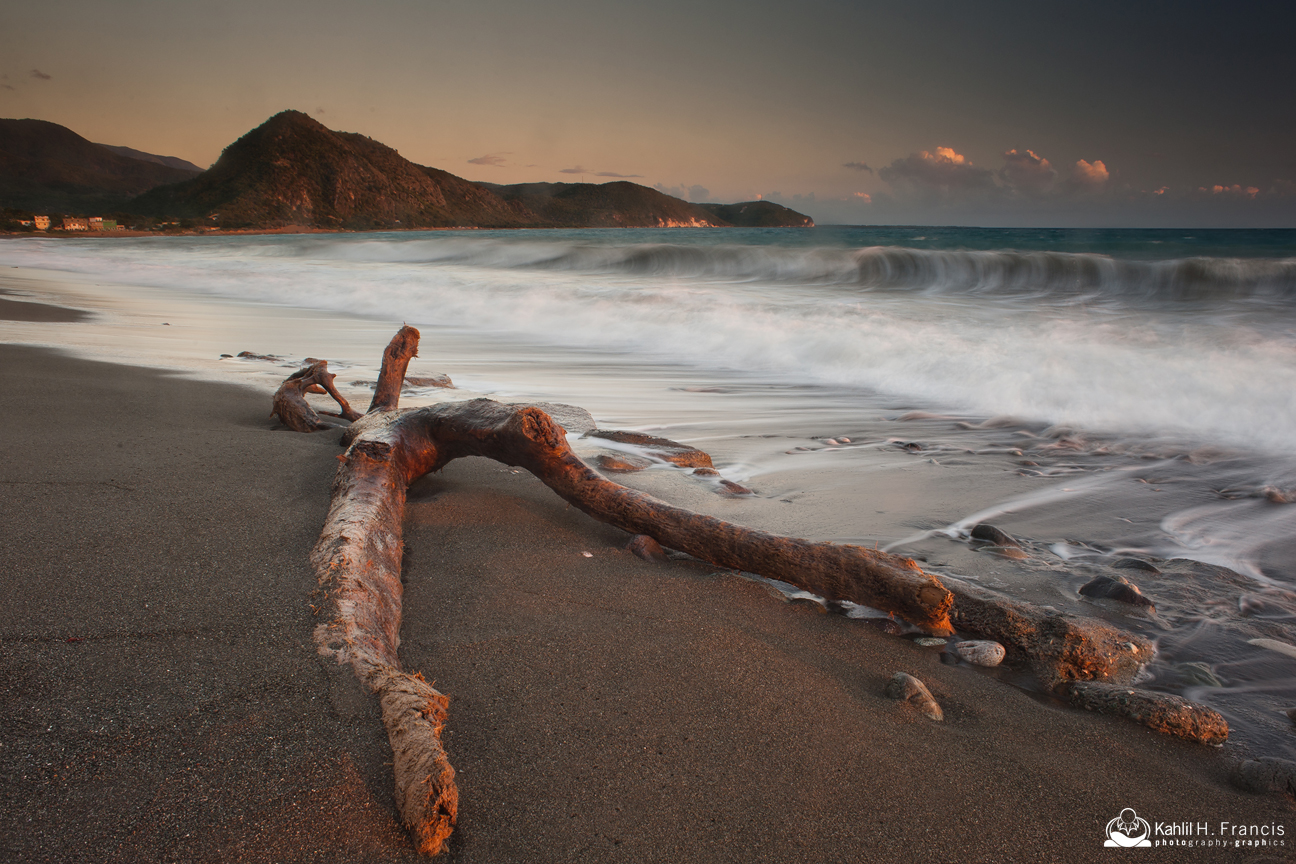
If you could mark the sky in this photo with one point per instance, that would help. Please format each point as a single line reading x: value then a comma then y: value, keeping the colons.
x: 1129, y: 114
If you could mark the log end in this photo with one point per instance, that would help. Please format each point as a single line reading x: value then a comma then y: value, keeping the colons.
x: 1161, y: 712
x: 426, y: 795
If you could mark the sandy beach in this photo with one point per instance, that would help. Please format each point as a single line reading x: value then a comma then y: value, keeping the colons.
x: 162, y: 699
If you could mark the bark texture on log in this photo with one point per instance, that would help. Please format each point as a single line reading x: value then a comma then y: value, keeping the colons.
x: 1057, y: 647
x: 290, y: 404
x: 402, y: 348
x: 358, y: 556
x: 1163, y: 712
x: 357, y: 563
x: 429, y: 438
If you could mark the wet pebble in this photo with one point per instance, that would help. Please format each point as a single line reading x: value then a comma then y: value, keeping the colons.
x: 981, y: 652
x: 647, y: 548
x: 929, y: 641
x: 1274, y: 645
x: 1116, y: 588
x: 1199, y: 674
x: 991, y: 534
x: 733, y: 490
x: 906, y: 688
x: 622, y: 464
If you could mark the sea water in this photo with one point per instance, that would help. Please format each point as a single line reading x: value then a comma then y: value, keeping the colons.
x: 1102, y: 394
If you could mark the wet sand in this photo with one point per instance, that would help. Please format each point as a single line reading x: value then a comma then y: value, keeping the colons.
x: 162, y: 700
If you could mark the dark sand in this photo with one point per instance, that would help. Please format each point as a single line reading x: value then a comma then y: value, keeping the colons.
x: 17, y: 310
x: 161, y: 700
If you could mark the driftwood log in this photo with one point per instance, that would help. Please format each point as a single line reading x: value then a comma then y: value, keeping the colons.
x: 290, y: 404
x: 357, y: 563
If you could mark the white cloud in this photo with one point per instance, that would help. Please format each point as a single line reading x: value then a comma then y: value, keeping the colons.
x: 1089, y: 174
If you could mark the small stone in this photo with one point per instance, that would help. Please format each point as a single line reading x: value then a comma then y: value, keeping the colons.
x: 981, y: 652
x: 929, y: 641
x: 1284, y: 648
x: 662, y: 448
x: 1116, y: 588
x: 1291, y: 714
x: 907, y: 688
x: 1199, y: 674
x: 991, y: 534
x: 1275, y: 495
x: 731, y: 489
x: 428, y: 381
x: 622, y: 464
x: 647, y: 548
x: 705, y: 472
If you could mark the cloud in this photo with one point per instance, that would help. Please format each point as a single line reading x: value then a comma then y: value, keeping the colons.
x: 1090, y: 174
x: 857, y: 166
x: 1027, y: 172
x: 36, y: 73
x: 687, y: 193
x: 579, y: 170
x: 1234, y: 191
x: 6, y: 86
x: 865, y: 197
x: 944, y: 173
x: 493, y: 159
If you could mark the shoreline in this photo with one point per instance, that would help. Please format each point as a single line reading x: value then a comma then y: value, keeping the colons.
x: 603, y: 708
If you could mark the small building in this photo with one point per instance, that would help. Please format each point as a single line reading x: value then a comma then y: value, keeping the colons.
x: 96, y: 223
x: 75, y: 223
x: 42, y: 223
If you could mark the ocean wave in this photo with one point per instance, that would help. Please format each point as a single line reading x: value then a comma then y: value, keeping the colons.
x: 874, y: 268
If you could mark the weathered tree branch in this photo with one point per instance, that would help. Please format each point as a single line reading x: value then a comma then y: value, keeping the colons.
x: 290, y: 403
x: 357, y: 562
x: 396, y: 357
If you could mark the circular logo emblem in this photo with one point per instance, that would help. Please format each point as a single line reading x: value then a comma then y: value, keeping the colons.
x: 1128, y: 830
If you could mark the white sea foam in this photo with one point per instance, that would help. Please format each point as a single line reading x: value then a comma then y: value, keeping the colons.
x: 795, y: 315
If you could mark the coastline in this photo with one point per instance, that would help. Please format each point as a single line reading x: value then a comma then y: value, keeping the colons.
x: 603, y: 708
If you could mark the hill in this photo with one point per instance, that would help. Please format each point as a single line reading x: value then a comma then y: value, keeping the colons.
x: 171, y: 161
x: 758, y: 214
x: 608, y: 205
x: 292, y: 170
x: 49, y: 168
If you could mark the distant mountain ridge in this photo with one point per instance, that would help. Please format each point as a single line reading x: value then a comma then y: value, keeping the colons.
x: 169, y: 161
x: 48, y: 167
x: 293, y: 171
x: 759, y: 214
x: 607, y: 205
